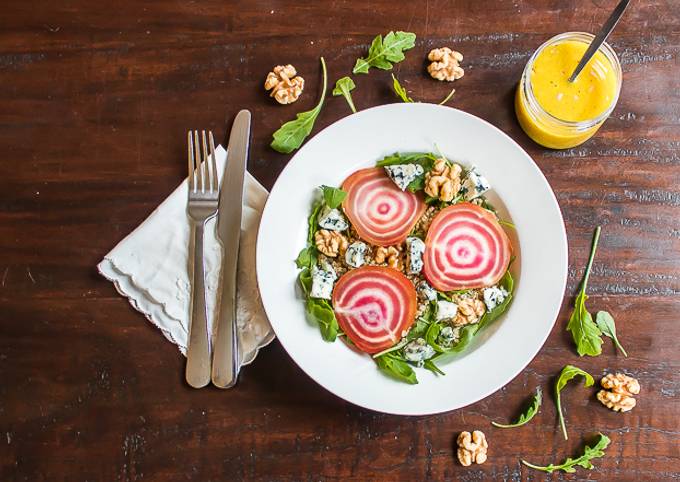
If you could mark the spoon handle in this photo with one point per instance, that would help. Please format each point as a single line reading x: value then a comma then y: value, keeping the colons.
x: 600, y: 37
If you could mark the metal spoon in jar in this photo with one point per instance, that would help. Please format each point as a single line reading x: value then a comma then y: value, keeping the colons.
x: 600, y: 37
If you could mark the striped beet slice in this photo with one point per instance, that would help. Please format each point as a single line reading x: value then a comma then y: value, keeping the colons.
x: 381, y: 213
x: 374, y: 305
x: 465, y: 248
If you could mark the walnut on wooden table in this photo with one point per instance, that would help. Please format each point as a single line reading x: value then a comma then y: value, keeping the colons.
x: 284, y: 83
x: 445, y: 64
x: 472, y: 448
x: 618, y: 392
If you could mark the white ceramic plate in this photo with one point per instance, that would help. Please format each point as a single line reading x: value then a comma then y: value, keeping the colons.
x: 498, y: 353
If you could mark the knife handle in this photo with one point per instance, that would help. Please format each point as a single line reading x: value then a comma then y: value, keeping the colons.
x: 226, y: 358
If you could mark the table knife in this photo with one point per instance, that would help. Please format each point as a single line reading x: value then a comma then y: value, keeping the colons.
x: 226, y: 356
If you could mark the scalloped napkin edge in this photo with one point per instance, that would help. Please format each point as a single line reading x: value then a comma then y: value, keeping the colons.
x: 150, y: 268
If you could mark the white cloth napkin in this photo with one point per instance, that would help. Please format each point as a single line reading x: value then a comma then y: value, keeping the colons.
x: 150, y: 268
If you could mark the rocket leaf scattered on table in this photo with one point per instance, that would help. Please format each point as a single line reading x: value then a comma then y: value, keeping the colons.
x: 568, y: 372
x: 292, y: 134
x: 589, y: 453
x: 526, y: 416
x: 383, y: 53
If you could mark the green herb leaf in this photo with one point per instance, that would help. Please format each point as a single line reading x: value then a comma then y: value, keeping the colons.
x: 585, y: 332
x: 321, y: 312
x: 333, y: 196
x: 384, y: 52
x: 429, y: 364
x: 344, y: 87
x: 397, y: 368
x: 292, y: 134
x: 399, y: 90
x: 528, y: 415
x: 568, y: 372
x: 605, y: 322
x: 305, y: 279
x: 312, y: 222
x: 425, y: 159
x: 448, y: 97
x: 306, y: 258
x: 589, y: 453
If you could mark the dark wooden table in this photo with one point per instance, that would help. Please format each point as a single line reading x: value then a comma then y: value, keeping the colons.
x: 95, y: 100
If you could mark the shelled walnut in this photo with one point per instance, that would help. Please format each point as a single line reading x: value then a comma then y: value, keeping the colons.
x: 330, y: 243
x: 284, y: 83
x: 618, y: 392
x: 445, y: 64
x: 470, y: 310
x: 443, y: 180
x: 472, y: 448
x: 390, y: 255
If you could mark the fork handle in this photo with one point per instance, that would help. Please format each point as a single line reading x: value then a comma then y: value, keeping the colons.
x: 198, y: 351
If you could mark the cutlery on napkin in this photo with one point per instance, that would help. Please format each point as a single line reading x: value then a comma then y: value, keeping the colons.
x: 150, y: 268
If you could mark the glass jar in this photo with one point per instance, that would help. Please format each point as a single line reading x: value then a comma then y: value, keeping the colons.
x: 548, y: 129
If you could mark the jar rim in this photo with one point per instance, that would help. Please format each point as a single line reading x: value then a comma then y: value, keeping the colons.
x: 585, y: 37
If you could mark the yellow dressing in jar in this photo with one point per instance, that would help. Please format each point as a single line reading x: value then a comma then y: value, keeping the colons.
x: 560, y: 114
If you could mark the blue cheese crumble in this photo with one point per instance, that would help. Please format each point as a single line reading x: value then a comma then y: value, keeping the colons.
x: 418, y: 351
x: 448, y: 336
x: 355, y: 254
x: 323, y: 278
x: 404, y: 174
x: 332, y: 219
x: 474, y: 185
x: 494, y: 296
x: 415, y: 247
x: 446, y: 310
x: 426, y: 292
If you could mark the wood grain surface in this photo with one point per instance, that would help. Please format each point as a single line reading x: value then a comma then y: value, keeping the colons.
x: 95, y: 101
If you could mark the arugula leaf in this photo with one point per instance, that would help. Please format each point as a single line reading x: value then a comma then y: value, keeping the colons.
x: 448, y: 97
x: 399, y: 90
x: 344, y: 87
x: 568, y: 372
x: 312, y: 225
x: 397, y: 368
x: 384, y: 52
x: 429, y: 364
x: 306, y: 258
x: 425, y: 159
x: 321, y: 312
x: 305, y: 279
x: 605, y: 322
x: 333, y: 196
x: 589, y: 453
x: 292, y: 134
x: 585, y: 332
x: 528, y: 415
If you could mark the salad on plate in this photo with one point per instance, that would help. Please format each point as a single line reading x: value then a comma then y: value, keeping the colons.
x: 407, y: 261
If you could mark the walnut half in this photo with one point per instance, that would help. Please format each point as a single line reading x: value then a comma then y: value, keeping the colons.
x: 472, y: 448
x: 330, y: 243
x: 443, y: 181
x: 390, y: 255
x: 445, y: 64
x: 618, y: 392
x: 470, y: 310
x: 284, y: 83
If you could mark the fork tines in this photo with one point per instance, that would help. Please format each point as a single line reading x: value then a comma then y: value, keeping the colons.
x: 202, y: 173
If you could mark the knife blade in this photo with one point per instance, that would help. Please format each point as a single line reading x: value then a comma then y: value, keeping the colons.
x: 226, y: 357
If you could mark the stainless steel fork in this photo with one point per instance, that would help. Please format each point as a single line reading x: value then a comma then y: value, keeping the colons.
x: 203, y: 198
